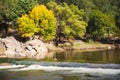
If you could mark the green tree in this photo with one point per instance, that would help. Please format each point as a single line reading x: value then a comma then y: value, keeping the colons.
x: 107, y: 6
x: 69, y: 20
x: 101, y: 25
x: 7, y: 7
x: 12, y: 9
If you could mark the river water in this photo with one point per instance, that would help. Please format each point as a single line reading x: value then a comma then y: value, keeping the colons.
x: 69, y: 65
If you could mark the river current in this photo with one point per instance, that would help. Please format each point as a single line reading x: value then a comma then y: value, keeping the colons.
x: 93, y: 65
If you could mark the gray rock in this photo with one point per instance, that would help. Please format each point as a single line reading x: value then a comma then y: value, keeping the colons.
x: 10, y: 53
x: 31, y: 49
x: 28, y: 47
x: 33, y: 52
x: 39, y: 49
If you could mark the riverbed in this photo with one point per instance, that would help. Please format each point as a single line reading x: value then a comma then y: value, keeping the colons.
x: 69, y: 65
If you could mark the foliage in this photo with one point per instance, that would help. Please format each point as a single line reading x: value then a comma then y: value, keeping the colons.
x: 45, y: 21
x: 101, y: 25
x: 6, y: 9
x: 24, y: 6
x: 118, y: 19
x: 26, y: 26
x: 40, y: 20
x: 69, y: 20
x: 71, y: 16
x: 12, y: 9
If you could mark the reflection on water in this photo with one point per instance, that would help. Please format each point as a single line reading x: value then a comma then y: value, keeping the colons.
x: 65, y: 66
x: 107, y: 56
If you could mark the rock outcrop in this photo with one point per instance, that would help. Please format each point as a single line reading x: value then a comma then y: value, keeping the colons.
x: 35, y: 49
x: 31, y: 49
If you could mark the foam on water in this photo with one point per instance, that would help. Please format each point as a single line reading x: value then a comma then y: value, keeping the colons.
x: 67, y: 70
x: 11, y: 66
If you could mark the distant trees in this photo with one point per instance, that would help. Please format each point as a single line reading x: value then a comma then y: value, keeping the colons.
x: 74, y: 18
x: 101, y: 25
x: 40, y: 20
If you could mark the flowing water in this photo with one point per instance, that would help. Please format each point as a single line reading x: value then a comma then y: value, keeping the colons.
x: 93, y: 65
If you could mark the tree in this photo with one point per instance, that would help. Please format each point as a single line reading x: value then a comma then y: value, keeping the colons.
x: 25, y: 6
x: 69, y: 20
x: 26, y: 26
x: 12, y: 9
x: 107, y: 6
x: 6, y: 11
x: 40, y: 20
x: 101, y: 25
x: 45, y: 21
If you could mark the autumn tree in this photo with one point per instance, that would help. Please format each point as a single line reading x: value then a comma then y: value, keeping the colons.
x: 40, y: 20
x: 45, y: 21
x: 26, y: 26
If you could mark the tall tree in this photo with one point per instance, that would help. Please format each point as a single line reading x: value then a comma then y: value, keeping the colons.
x: 69, y: 20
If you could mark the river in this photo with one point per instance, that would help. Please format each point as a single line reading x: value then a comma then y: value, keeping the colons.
x: 69, y: 65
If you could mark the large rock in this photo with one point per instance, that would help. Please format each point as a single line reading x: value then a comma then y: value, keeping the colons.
x: 31, y: 49
x: 35, y: 49
x: 11, y: 46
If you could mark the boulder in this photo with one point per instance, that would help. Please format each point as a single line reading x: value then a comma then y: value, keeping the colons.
x: 31, y: 49
x: 11, y: 46
x: 10, y: 53
x: 36, y: 48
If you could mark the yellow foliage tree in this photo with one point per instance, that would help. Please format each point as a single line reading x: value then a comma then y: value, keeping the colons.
x: 39, y: 20
x: 26, y: 26
x: 45, y: 21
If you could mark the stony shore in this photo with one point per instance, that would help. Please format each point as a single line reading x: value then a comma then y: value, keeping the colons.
x: 39, y: 50
x: 81, y: 46
x: 12, y: 48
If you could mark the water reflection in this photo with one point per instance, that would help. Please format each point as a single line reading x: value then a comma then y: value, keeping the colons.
x: 106, y: 56
x: 69, y: 69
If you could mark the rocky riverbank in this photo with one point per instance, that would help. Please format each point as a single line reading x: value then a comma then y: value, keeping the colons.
x: 15, y: 49
x: 81, y: 46
x: 12, y: 48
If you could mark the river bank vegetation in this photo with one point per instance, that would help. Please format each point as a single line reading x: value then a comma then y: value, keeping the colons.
x: 61, y: 21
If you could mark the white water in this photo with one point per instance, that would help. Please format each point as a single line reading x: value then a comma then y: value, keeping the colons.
x: 11, y: 66
x: 64, y: 70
